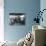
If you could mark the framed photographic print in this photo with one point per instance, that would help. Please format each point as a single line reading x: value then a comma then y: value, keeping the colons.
x: 17, y: 18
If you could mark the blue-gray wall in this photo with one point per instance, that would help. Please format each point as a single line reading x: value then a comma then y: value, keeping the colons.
x: 30, y: 7
x: 43, y: 6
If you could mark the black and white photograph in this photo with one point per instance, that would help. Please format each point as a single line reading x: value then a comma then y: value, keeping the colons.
x: 17, y: 19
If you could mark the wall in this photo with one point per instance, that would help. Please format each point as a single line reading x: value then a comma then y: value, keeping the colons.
x: 30, y: 7
x: 43, y: 6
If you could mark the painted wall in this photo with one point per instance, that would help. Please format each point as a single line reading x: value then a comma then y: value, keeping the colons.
x: 43, y: 6
x: 30, y: 7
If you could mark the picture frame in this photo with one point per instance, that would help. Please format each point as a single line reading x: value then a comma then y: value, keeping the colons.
x: 17, y: 18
